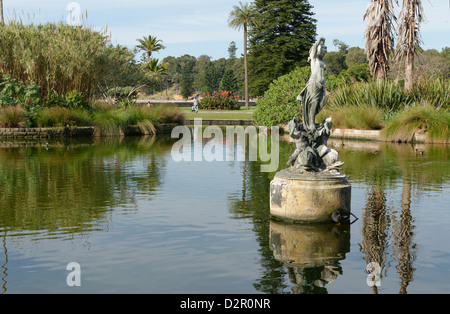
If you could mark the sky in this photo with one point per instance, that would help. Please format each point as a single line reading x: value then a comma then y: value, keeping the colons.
x: 200, y: 27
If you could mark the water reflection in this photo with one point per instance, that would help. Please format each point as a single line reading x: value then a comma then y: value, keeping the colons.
x: 65, y: 188
x: 310, y: 252
x: 75, y: 189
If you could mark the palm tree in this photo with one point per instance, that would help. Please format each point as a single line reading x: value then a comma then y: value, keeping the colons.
x: 244, y: 15
x: 378, y: 35
x: 411, y: 16
x: 150, y: 44
x: 156, y: 68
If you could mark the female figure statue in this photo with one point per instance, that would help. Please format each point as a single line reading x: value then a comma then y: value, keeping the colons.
x: 312, y: 97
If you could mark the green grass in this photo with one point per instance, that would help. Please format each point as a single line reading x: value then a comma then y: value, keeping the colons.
x: 242, y: 114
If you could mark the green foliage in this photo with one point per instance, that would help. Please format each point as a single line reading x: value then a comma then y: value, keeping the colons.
x: 229, y: 81
x: 61, y: 117
x: 419, y: 118
x: 335, y: 62
x: 391, y: 96
x: 354, y: 117
x: 219, y: 100
x: 356, y: 73
x: 75, y: 100
x: 54, y: 100
x: 280, y: 103
x: 186, y: 75
x: 59, y: 57
x: 113, y: 122
x: 120, y: 93
x: 280, y: 43
x: 13, y: 91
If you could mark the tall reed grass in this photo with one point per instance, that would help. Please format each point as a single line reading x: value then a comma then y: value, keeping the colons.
x: 58, y: 57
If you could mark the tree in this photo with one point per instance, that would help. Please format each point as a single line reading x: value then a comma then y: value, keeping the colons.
x: 378, y: 35
x: 187, y: 64
x: 411, y: 16
x: 199, y: 72
x: 355, y: 56
x: 210, y: 78
x: 281, y: 42
x: 229, y: 81
x: 149, y: 45
x: 244, y: 16
x: 232, y: 50
x: 335, y: 60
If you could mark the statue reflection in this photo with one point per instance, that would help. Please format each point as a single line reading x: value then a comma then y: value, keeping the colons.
x: 310, y: 252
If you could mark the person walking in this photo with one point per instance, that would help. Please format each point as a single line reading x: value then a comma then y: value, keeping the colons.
x: 195, y: 106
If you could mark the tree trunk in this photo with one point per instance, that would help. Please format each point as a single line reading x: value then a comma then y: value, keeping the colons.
x: 380, y: 72
x: 409, y: 71
x: 2, y: 20
x: 245, y: 67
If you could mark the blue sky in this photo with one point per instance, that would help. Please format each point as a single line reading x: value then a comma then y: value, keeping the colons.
x: 199, y: 27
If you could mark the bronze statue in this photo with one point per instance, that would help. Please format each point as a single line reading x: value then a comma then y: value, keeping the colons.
x: 312, y: 152
x: 312, y: 97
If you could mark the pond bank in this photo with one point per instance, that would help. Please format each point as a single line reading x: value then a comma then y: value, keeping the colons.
x: 63, y: 132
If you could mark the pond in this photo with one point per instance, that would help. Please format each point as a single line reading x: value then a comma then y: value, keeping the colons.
x: 134, y: 220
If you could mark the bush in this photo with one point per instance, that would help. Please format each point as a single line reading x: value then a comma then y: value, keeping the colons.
x: 14, y: 92
x: 280, y: 103
x: 418, y: 118
x: 219, y: 100
x: 354, y: 117
x: 60, y: 117
x: 391, y: 96
x: 12, y: 116
x: 114, y: 122
x: 75, y: 100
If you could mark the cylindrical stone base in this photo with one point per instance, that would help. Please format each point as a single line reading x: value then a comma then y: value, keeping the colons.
x: 309, y: 197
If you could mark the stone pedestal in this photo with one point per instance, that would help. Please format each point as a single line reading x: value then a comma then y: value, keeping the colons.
x: 309, y: 197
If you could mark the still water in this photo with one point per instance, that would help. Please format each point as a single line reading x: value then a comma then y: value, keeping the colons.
x: 136, y: 221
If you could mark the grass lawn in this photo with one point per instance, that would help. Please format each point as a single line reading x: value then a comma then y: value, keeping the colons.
x: 242, y: 114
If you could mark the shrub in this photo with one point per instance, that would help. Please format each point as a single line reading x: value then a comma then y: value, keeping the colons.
x: 280, y: 103
x: 219, y: 100
x: 14, y: 92
x: 418, y: 118
x: 354, y: 117
x: 12, y: 116
x: 75, y: 100
x: 107, y: 123
x: 384, y: 94
x: 59, y: 117
x: 391, y: 96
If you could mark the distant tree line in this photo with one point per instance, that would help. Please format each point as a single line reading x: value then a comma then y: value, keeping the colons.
x: 188, y: 74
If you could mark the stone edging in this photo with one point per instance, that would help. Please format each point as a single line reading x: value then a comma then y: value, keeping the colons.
x: 62, y: 132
